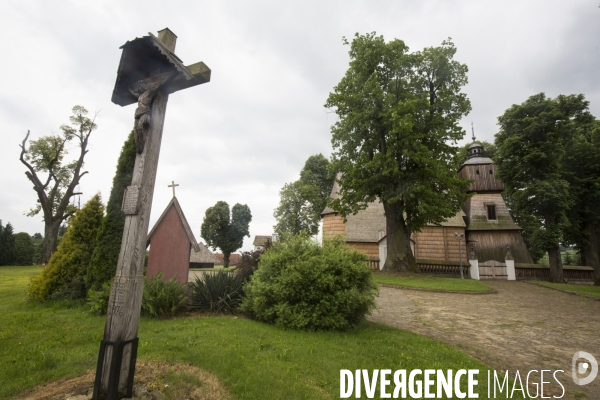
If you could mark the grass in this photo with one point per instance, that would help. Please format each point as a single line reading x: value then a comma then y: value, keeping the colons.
x: 43, y: 342
x: 431, y: 282
x: 588, y: 290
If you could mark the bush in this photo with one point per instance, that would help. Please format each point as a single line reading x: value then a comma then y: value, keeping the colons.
x: 63, y: 276
x: 218, y: 292
x: 302, y: 285
x: 24, y: 250
x: 162, y: 298
x: 97, y: 300
x: 249, y: 262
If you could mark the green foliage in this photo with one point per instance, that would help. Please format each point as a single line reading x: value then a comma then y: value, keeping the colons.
x: 249, y: 262
x: 301, y: 285
x: 398, y: 114
x: 24, y: 250
x: 106, y: 253
x: 220, y: 230
x: 46, y: 156
x: 218, y: 292
x: 7, y: 244
x: 63, y: 276
x: 533, y: 147
x: 97, y: 300
x: 38, y: 242
x: 162, y: 298
x: 301, y: 202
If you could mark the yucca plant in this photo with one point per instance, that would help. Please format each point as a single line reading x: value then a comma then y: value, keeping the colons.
x: 218, y: 292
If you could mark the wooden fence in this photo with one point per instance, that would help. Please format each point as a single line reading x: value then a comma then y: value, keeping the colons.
x: 542, y: 272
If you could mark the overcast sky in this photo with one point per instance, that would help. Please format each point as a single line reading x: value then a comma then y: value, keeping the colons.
x: 242, y: 136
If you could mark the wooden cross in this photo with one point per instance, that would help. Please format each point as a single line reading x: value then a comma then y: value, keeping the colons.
x: 172, y: 185
x: 148, y: 72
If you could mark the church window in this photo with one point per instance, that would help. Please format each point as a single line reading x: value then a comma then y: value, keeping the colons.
x: 491, y: 211
x: 477, y: 172
x: 491, y: 172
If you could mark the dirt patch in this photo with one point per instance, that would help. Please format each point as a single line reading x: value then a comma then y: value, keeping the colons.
x: 521, y: 327
x: 175, y: 381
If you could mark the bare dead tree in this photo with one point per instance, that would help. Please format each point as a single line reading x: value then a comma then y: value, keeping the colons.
x: 54, y: 191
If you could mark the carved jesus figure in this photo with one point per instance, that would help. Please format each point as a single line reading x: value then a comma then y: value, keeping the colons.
x: 145, y: 90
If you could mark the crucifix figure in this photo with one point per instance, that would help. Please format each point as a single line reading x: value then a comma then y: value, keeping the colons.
x: 148, y: 72
x: 172, y: 185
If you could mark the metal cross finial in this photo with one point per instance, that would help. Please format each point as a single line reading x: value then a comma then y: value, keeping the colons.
x: 172, y: 185
x: 473, y: 130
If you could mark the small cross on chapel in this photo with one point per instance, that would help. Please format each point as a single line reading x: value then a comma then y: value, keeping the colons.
x: 172, y: 185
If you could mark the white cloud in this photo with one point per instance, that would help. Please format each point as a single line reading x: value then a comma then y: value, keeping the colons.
x: 240, y: 137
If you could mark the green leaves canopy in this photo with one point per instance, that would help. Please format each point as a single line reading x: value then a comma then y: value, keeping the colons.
x: 533, y: 144
x: 301, y: 202
x: 398, y: 113
x: 220, y: 230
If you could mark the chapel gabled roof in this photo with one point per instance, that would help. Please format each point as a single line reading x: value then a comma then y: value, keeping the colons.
x: 174, y: 203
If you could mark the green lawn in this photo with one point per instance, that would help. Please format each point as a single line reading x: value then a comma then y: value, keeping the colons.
x: 41, y: 343
x: 431, y: 282
x: 589, y: 290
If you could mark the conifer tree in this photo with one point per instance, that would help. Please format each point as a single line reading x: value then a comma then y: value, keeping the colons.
x: 106, y: 253
x: 63, y: 276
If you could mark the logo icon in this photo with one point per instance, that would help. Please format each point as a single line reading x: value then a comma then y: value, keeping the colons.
x: 584, y: 366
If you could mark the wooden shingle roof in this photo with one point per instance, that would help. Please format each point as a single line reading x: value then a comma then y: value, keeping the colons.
x: 203, y: 255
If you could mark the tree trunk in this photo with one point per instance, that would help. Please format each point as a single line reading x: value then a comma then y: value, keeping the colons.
x: 591, y: 252
x: 226, y: 259
x: 399, y: 255
x: 556, y: 270
x: 50, y: 240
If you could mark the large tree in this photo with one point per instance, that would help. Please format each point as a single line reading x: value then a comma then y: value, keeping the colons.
x: 301, y: 202
x: 532, y: 143
x: 582, y: 166
x: 54, y: 179
x: 398, y: 116
x: 224, y: 231
x: 103, y: 263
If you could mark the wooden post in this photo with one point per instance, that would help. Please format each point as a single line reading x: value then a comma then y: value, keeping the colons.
x: 152, y: 92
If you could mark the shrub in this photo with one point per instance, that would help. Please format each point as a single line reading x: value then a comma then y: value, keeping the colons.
x: 249, y: 262
x: 97, y: 300
x: 218, y: 292
x: 162, y: 298
x: 63, y: 276
x: 302, y: 285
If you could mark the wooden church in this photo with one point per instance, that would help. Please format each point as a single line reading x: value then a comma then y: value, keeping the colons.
x: 484, y: 220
